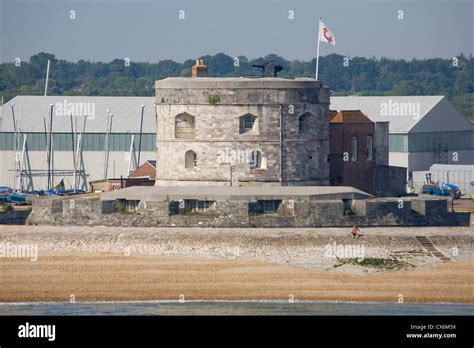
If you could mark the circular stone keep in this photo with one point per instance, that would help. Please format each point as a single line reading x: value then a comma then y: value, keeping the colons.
x: 226, y: 131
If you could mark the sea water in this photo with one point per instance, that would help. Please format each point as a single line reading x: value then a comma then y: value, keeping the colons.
x: 233, y: 308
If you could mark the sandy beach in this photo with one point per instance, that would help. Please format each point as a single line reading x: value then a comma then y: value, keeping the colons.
x: 90, y: 264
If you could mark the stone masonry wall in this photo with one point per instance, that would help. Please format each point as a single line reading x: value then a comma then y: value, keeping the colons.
x: 14, y: 217
x: 371, y: 212
x: 389, y: 181
x: 222, y: 149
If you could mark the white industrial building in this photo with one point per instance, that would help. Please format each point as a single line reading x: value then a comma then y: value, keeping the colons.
x: 460, y: 175
x: 424, y: 130
x: 32, y: 116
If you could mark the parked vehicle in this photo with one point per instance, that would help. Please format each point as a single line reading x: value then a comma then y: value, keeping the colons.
x: 441, y: 189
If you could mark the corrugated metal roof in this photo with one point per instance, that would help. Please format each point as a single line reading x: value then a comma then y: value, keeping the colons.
x: 126, y: 113
x: 467, y: 167
x: 403, y: 112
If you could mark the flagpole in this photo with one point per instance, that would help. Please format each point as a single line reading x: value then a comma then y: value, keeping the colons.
x: 317, y: 52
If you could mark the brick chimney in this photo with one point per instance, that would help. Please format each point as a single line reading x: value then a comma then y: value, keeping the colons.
x: 200, y: 69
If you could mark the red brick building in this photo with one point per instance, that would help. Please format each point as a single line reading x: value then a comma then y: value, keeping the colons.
x: 147, y: 169
x: 143, y: 176
x: 351, y: 150
x: 113, y: 184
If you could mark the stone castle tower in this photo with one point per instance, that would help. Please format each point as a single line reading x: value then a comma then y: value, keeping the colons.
x: 241, y: 131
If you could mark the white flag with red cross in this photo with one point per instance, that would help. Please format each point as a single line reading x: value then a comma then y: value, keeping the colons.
x: 326, y: 35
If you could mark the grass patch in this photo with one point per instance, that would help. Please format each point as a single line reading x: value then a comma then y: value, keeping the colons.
x: 214, y: 99
x: 379, y: 263
x: 122, y: 209
x: 348, y: 212
x: 7, y: 208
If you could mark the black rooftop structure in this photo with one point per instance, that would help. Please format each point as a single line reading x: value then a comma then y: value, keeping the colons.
x: 269, y: 68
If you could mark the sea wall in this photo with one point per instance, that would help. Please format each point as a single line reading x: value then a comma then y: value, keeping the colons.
x: 14, y: 217
x: 419, y: 211
x: 389, y: 181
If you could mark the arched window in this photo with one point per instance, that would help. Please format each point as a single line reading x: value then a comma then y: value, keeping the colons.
x: 190, y: 159
x: 304, y: 122
x: 370, y: 148
x: 184, y: 126
x: 247, y: 123
x: 354, y: 149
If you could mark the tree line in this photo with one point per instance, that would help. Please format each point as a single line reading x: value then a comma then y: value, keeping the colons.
x: 453, y: 78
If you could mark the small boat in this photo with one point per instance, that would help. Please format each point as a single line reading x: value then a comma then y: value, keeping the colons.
x: 4, y: 190
x: 19, y: 198
x: 5, y: 199
x: 54, y: 192
x: 74, y: 192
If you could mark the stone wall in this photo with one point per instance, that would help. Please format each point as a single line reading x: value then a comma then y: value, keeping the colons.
x: 46, y: 211
x: 14, y: 217
x: 390, y: 181
x: 381, y: 143
x: 235, y: 213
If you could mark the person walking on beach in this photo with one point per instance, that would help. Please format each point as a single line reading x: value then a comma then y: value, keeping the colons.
x: 355, y: 232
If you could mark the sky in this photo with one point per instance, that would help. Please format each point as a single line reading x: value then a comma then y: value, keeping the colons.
x: 151, y: 30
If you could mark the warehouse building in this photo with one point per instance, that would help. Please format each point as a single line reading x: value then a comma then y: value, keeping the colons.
x: 32, y: 117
